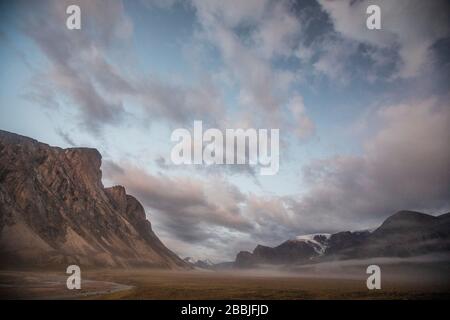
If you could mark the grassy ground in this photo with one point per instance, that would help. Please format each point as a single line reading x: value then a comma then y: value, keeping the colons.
x: 160, y: 284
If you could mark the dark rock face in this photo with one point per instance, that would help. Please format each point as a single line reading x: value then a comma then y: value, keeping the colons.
x: 341, y: 242
x: 404, y: 234
x: 245, y: 259
x: 288, y: 252
x: 55, y: 211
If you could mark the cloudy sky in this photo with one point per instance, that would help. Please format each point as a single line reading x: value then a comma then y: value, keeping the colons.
x: 364, y: 115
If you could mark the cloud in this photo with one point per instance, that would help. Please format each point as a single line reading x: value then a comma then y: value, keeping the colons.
x: 212, y: 171
x: 249, y: 37
x: 87, y: 79
x: 77, y: 66
x: 161, y: 163
x: 334, y: 59
x: 83, y: 67
x: 180, y: 104
x: 189, y: 207
x: 274, y: 220
x: 403, y: 166
x: 411, y: 27
x: 66, y: 137
x: 211, y: 215
x: 302, y: 125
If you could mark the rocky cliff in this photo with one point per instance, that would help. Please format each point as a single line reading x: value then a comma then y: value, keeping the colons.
x: 54, y: 211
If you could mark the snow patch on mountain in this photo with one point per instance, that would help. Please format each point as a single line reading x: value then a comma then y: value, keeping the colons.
x: 206, y: 264
x: 317, y: 240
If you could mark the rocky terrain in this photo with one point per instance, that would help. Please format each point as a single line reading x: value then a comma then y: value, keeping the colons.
x: 404, y: 234
x: 55, y: 211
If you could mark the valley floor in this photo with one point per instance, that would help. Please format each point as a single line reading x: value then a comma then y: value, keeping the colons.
x: 251, y: 284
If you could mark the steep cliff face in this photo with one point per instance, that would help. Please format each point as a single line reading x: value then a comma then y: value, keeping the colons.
x: 54, y: 211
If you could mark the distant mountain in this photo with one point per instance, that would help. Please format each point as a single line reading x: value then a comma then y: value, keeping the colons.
x: 290, y: 251
x: 54, y: 211
x: 404, y: 234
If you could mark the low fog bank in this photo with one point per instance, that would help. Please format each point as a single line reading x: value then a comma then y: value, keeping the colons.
x: 428, y: 269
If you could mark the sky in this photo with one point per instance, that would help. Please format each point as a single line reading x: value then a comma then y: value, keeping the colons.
x: 363, y: 114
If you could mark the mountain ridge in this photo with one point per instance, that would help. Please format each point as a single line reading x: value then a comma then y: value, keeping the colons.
x: 403, y: 234
x: 54, y: 210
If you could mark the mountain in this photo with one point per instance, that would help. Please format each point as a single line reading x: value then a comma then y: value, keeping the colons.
x: 203, y: 264
x: 55, y: 211
x: 404, y: 234
x: 290, y: 251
